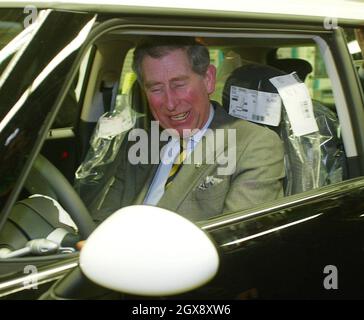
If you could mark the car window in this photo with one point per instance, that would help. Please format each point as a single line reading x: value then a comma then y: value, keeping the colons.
x: 317, y: 81
x: 353, y: 37
x: 312, y: 161
x: 69, y: 111
x: 11, y: 25
x: 26, y: 100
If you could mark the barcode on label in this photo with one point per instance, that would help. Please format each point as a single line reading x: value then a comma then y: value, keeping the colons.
x: 305, y: 109
x: 257, y: 117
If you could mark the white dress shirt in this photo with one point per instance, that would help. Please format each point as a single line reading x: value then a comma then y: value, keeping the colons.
x: 171, y: 151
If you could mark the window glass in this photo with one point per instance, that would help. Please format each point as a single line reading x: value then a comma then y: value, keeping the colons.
x: 11, y: 25
x: 317, y: 81
x: 68, y: 113
x: 80, y: 81
x: 355, y: 42
x: 28, y: 93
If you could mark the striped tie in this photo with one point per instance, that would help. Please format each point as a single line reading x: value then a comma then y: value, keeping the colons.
x: 177, y: 164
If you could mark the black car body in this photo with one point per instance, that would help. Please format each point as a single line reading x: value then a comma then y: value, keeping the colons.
x: 305, y: 245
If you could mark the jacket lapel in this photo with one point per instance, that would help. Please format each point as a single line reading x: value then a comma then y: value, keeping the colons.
x: 143, y: 179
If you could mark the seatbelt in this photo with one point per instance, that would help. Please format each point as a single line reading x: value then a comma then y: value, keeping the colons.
x: 106, y: 89
x: 109, y: 83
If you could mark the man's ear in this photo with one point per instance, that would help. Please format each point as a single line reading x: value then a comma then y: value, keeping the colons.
x: 210, y: 79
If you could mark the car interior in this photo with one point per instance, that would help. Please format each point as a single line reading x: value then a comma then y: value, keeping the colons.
x: 105, y: 75
x: 105, y: 83
x: 245, y: 62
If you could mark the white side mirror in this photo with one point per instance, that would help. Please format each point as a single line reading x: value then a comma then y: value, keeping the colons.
x: 149, y: 251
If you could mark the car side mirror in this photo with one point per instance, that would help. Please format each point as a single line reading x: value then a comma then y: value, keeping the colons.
x: 149, y: 251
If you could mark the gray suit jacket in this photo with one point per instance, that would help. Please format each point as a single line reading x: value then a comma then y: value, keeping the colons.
x: 256, y: 178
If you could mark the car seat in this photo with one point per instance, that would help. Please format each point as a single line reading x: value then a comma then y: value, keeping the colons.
x: 95, y: 173
x: 302, y: 67
x: 139, y: 103
x: 312, y: 160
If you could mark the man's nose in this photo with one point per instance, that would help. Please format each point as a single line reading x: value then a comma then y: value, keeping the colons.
x: 171, y: 100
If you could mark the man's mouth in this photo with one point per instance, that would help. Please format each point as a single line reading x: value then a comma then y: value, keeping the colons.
x: 180, y: 116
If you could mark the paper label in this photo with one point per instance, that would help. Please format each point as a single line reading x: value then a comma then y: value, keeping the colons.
x: 257, y: 106
x: 116, y: 124
x: 297, y: 101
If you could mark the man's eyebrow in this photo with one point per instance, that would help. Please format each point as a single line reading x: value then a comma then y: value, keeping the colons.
x: 180, y: 78
x: 150, y: 84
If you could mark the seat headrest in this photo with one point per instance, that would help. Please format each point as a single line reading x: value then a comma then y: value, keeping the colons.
x: 302, y: 67
x: 251, y: 76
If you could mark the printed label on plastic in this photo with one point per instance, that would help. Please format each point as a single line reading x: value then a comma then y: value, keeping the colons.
x: 257, y: 106
x: 297, y: 101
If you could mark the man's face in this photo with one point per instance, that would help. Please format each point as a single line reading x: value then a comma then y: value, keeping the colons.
x: 178, y: 97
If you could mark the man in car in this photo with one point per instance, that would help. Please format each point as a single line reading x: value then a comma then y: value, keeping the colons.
x: 177, y: 78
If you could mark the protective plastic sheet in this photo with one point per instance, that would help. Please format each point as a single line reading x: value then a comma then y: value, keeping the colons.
x: 105, y: 143
x: 311, y: 160
x: 315, y: 159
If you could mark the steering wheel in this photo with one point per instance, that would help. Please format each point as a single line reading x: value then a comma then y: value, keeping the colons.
x: 46, y: 179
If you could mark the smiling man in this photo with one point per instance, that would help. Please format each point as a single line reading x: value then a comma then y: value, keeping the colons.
x: 177, y: 78
x: 178, y: 94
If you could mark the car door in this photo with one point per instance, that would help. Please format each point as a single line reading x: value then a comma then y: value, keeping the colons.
x: 33, y: 82
x: 307, y: 247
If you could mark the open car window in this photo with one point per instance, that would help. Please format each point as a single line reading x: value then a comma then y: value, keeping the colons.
x: 308, y: 169
x: 353, y: 37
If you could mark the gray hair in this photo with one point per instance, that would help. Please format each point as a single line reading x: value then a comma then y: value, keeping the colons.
x: 158, y: 47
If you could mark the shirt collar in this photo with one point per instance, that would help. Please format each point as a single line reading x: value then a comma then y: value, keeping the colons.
x: 199, y: 134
